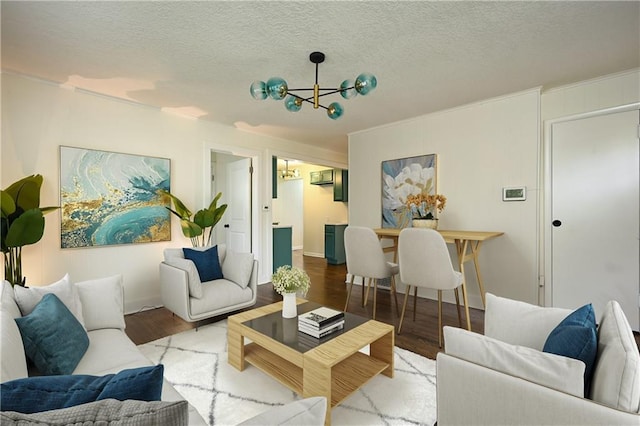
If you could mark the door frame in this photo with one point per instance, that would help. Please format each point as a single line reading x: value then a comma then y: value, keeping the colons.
x: 256, y: 156
x: 544, y: 269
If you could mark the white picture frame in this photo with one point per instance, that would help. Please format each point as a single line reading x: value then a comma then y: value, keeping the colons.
x: 514, y: 193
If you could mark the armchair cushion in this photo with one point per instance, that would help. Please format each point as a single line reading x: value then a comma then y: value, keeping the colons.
x: 309, y: 411
x: 554, y: 371
x: 616, y: 377
x: 520, y: 323
x: 237, y: 267
x: 207, y: 263
x: 575, y: 337
x: 195, y: 285
x: 53, y: 338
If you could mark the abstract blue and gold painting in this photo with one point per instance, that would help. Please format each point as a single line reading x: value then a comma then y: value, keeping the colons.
x: 109, y: 198
x: 403, y: 177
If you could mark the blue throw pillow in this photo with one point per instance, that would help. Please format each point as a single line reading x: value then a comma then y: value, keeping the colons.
x: 52, y: 336
x: 43, y: 393
x: 576, y: 337
x: 207, y: 263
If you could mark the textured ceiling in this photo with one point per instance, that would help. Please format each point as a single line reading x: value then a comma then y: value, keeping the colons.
x: 199, y: 58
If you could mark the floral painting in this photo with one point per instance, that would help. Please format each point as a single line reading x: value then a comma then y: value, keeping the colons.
x: 402, y: 178
x: 110, y: 198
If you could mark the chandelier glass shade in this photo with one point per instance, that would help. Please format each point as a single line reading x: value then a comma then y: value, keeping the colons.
x: 277, y: 89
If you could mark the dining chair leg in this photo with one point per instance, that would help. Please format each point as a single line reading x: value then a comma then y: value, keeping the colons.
x: 404, y: 306
x: 455, y: 290
x: 440, y: 318
x: 362, y: 299
x: 375, y: 294
x: 415, y: 301
x: 395, y: 293
x: 346, y: 305
x: 366, y: 295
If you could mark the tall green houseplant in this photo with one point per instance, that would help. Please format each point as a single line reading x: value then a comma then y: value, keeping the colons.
x: 195, y: 228
x: 22, y: 223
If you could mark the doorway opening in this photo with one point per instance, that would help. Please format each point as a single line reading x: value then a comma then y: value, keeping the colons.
x: 304, y: 205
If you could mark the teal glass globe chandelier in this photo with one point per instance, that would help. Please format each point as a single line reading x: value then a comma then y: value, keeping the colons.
x: 276, y: 88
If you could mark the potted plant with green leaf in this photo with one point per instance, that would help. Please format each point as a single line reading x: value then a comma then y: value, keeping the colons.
x: 22, y: 223
x: 195, y: 228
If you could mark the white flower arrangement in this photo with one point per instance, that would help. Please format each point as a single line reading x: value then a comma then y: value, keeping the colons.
x: 288, y: 279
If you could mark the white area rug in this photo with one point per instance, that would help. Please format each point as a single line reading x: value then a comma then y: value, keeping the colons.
x: 195, y: 363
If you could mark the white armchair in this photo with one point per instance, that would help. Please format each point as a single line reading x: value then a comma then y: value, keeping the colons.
x: 503, y: 377
x: 185, y: 295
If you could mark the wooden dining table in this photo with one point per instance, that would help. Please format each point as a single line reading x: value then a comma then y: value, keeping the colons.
x: 468, y: 244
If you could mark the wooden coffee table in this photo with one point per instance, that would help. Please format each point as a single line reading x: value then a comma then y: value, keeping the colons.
x: 331, y: 367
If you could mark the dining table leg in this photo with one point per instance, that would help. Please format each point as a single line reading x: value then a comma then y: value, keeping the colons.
x: 475, y: 250
x: 461, y: 248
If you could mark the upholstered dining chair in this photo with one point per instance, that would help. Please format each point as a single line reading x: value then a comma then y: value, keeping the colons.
x: 425, y: 262
x: 365, y: 258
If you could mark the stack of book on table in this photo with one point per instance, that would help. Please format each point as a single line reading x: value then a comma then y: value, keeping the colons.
x: 321, y: 322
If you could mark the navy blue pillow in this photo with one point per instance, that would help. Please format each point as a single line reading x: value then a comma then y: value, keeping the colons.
x: 576, y: 337
x: 43, y: 393
x: 207, y: 263
x: 52, y: 336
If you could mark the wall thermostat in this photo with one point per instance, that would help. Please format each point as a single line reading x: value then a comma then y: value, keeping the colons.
x: 514, y: 193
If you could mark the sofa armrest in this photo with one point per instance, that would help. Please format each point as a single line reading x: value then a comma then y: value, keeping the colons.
x: 468, y: 393
x: 174, y: 290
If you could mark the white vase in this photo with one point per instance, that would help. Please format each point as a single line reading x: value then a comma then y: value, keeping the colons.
x: 289, y: 307
x: 425, y: 223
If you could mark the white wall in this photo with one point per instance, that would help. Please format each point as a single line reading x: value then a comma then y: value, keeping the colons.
x: 38, y: 117
x: 591, y: 95
x: 481, y: 148
x: 288, y: 208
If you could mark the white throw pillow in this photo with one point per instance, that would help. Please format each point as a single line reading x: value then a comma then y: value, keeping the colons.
x: 616, y: 378
x: 195, y: 285
x: 8, y: 300
x: 237, y: 267
x: 554, y: 371
x: 27, y: 298
x: 102, y: 302
x: 12, y: 358
x: 520, y: 323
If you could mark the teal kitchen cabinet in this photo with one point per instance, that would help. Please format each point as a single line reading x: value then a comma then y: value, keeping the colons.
x: 274, y: 177
x: 334, y: 243
x: 282, y: 246
x: 321, y: 177
x: 340, y: 185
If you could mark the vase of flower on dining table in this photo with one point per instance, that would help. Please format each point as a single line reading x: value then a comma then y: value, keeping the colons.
x: 424, y: 207
x: 290, y: 281
x: 425, y: 223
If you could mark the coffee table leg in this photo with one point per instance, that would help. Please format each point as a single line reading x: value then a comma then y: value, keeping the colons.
x: 235, y: 347
x: 382, y: 349
x: 316, y: 381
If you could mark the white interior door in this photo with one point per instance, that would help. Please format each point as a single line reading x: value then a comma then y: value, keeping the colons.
x: 238, y: 216
x: 594, y: 230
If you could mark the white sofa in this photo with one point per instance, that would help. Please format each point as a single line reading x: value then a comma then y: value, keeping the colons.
x: 185, y: 295
x: 109, y: 351
x: 503, y: 377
